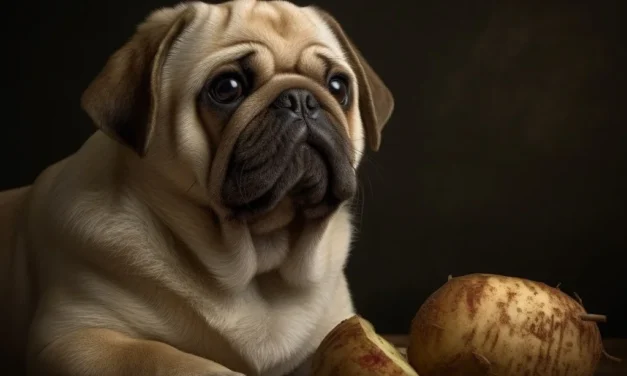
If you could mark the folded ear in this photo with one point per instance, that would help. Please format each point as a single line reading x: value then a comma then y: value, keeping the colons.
x: 376, y: 102
x: 123, y: 100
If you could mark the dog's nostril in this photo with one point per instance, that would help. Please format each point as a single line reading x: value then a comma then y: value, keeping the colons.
x: 293, y: 102
x: 311, y: 103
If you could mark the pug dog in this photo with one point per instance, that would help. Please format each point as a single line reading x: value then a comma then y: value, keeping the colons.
x: 203, y: 229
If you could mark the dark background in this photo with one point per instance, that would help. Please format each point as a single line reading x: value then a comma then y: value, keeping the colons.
x: 506, y: 152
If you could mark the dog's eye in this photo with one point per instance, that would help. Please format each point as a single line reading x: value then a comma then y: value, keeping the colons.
x: 227, y: 88
x: 339, y: 88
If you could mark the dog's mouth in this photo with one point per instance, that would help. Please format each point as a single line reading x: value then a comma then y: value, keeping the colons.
x: 285, y: 154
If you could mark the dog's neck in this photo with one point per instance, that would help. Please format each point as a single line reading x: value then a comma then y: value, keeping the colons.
x: 236, y: 252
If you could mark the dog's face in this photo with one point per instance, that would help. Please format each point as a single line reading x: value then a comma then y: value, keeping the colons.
x: 268, y: 105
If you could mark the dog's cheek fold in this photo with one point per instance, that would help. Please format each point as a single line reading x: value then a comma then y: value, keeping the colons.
x: 255, y: 168
x: 272, y: 197
x: 329, y: 141
x: 312, y: 188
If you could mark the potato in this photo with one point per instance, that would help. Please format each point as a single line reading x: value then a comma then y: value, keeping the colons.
x: 354, y: 348
x: 486, y: 324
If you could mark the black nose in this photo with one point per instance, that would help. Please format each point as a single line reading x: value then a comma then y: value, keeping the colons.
x: 301, y: 102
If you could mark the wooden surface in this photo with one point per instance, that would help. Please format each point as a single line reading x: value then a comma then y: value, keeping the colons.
x: 614, y: 347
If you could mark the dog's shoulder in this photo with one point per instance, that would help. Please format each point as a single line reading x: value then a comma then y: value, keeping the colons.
x: 82, y: 199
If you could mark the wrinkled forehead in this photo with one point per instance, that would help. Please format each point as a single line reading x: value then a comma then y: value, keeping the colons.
x: 283, y: 28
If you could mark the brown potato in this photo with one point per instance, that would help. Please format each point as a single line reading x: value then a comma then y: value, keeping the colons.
x: 485, y: 324
x: 353, y: 348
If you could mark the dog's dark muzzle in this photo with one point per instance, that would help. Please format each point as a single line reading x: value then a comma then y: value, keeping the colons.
x: 293, y: 150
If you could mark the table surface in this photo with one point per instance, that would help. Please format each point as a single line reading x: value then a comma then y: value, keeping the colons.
x: 613, y: 346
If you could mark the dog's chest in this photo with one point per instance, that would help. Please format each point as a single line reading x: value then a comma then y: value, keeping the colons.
x: 257, y: 332
x: 268, y: 326
x: 271, y: 333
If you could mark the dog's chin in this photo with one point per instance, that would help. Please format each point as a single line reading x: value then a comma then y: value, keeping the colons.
x: 283, y: 167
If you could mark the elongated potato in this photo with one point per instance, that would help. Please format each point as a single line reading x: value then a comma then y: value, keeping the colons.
x: 484, y: 324
x: 353, y: 348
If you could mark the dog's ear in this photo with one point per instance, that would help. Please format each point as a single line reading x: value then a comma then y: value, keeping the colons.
x: 376, y: 102
x: 123, y: 100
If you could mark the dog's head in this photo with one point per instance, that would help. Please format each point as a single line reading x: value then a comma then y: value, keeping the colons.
x: 266, y: 104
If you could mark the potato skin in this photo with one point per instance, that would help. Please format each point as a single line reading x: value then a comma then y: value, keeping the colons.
x: 486, y: 324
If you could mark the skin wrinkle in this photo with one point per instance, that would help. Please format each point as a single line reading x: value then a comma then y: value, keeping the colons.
x: 257, y: 137
x: 268, y: 176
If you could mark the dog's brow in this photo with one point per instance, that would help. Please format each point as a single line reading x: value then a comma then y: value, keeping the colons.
x: 330, y: 62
